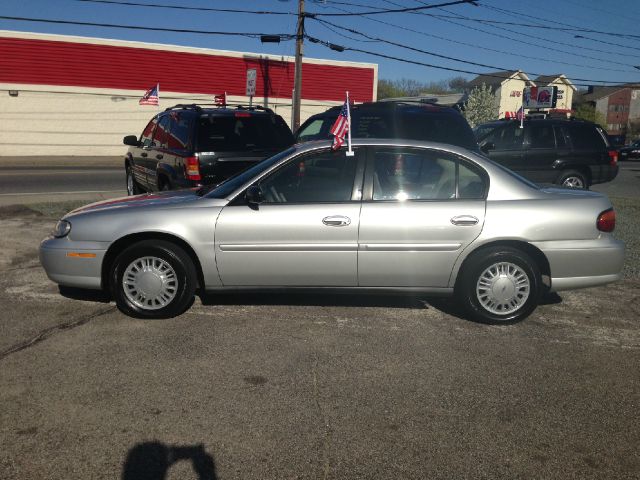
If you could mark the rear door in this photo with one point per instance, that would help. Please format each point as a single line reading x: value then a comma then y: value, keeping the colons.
x: 422, y: 207
x: 305, y: 233
x: 542, y: 151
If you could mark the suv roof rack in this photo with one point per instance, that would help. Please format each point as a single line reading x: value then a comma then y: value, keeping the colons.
x: 199, y: 107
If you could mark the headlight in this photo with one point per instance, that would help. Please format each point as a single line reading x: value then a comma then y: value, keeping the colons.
x: 61, y: 229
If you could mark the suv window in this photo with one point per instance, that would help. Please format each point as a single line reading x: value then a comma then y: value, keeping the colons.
x: 585, y: 137
x: 320, y: 177
x: 161, y: 135
x: 147, y: 134
x: 509, y: 137
x: 541, y: 136
x: 241, y: 132
x: 180, y: 129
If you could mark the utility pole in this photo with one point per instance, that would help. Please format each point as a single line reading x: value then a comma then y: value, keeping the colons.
x: 297, y: 82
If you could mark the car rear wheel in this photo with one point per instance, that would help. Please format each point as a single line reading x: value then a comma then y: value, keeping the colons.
x: 573, y: 179
x: 132, y: 185
x: 153, y: 279
x: 499, y: 285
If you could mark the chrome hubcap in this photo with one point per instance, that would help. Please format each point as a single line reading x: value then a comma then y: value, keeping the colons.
x: 129, y: 183
x: 150, y: 283
x: 503, y: 288
x: 573, y: 182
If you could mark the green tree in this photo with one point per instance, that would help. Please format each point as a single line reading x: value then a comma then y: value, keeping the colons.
x: 480, y: 106
x: 587, y: 111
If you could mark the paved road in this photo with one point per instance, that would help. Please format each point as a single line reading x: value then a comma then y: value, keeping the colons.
x: 311, y: 387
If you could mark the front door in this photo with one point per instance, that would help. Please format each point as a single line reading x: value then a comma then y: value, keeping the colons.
x: 422, y: 207
x: 305, y: 233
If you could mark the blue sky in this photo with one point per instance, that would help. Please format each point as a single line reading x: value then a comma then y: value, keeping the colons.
x: 575, y: 52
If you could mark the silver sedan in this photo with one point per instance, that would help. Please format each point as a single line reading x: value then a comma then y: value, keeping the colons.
x: 394, y: 216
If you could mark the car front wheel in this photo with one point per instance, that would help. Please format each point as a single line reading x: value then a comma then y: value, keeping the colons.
x: 153, y: 279
x: 499, y: 286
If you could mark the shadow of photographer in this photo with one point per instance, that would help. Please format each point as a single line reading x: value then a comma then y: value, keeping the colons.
x: 152, y: 461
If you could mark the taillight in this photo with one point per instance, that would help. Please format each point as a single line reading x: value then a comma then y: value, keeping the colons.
x: 606, y: 221
x: 192, y: 168
x: 613, y: 157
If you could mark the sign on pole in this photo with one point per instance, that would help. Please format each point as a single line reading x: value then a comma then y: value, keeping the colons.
x: 539, y: 97
x: 251, y: 82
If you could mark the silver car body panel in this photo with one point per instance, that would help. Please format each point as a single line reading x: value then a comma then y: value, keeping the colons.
x: 412, y: 245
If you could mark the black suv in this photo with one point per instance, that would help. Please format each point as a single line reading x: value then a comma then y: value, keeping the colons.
x: 571, y: 153
x: 395, y: 119
x: 189, y: 146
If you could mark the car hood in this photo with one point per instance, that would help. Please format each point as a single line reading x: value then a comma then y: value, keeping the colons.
x: 173, y: 199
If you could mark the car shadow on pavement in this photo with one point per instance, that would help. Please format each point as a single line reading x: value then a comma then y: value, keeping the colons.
x: 152, y: 461
x: 84, y: 294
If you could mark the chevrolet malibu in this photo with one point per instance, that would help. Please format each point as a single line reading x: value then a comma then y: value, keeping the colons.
x: 392, y: 216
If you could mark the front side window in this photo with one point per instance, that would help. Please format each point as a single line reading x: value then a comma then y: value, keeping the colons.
x: 326, y: 176
x: 411, y: 174
x: 508, y: 138
x: 147, y: 134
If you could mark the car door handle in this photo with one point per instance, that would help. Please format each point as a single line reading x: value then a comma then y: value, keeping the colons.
x: 143, y: 154
x: 464, y: 220
x: 159, y: 156
x: 336, y: 221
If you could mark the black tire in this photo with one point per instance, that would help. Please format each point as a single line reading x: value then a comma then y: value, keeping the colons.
x: 476, y: 297
x: 132, y: 186
x: 573, y: 179
x: 156, y: 292
x: 164, y: 184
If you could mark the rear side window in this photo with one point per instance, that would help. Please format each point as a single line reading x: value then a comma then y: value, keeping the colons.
x: 585, y: 137
x: 180, y: 129
x: 238, y: 132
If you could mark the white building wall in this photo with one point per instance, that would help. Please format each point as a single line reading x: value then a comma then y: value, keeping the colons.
x: 48, y: 120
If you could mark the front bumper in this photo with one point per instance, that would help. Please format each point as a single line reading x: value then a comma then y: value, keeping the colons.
x: 583, y: 263
x: 73, y: 264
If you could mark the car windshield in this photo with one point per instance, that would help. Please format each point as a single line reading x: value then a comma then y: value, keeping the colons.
x: 230, y: 185
x: 242, y: 132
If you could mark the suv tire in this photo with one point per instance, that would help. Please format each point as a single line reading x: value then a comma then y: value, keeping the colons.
x: 132, y: 186
x: 573, y: 179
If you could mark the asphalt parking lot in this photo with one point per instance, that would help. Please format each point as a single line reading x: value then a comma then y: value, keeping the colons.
x: 292, y: 386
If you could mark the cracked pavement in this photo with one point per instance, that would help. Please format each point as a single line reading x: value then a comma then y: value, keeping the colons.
x: 302, y: 386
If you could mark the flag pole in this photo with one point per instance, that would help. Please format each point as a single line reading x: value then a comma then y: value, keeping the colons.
x: 349, y: 152
x: 158, y: 92
x: 522, y: 112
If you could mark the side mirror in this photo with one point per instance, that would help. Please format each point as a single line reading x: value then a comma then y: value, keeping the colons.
x: 131, y: 140
x: 254, y: 196
x: 486, y: 147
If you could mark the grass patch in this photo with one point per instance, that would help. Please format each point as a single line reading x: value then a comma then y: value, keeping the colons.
x: 55, y: 209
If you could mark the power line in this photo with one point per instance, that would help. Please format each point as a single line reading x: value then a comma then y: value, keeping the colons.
x: 283, y: 36
x: 555, y: 49
x: 424, y: 64
x: 450, y: 40
x: 182, y: 7
x: 397, y: 10
x: 446, y: 57
x: 515, y: 14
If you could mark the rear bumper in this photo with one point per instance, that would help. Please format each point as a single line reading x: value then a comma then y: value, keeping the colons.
x: 603, y: 173
x: 583, y: 263
x: 73, y: 265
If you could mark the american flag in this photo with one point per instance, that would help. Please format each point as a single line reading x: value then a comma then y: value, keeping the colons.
x: 340, y: 127
x: 221, y: 99
x: 151, y: 97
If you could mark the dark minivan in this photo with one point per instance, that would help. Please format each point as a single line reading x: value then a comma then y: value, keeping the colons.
x: 395, y: 119
x: 571, y: 153
x: 188, y: 146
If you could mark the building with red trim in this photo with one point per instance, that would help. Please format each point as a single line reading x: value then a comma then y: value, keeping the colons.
x: 63, y: 95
